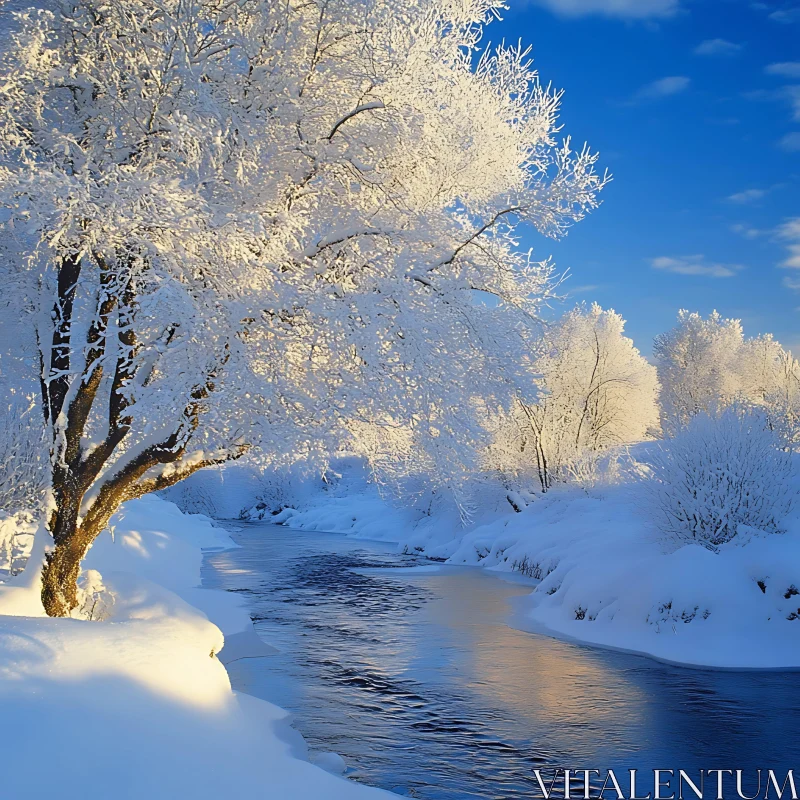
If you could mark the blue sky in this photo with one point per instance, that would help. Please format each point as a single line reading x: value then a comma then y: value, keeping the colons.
x: 694, y: 106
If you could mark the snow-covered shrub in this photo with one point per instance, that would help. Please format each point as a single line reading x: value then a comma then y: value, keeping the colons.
x: 193, y: 496
x: 16, y: 539
x: 96, y: 601
x: 23, y: 458
x: 282, y: 487
x: 723, y: 470
x: 595, y: 467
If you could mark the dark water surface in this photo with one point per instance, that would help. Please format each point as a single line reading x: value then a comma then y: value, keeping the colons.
x: 418, y: 682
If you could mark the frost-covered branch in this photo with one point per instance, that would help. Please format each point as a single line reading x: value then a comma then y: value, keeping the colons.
x: 227, y: 213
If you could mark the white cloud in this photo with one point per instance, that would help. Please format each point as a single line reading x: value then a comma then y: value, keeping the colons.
x: 792, y: 94
x: 664, y: 87
x: 790, y: 142
x: 786, y: 94
x: 717, y: 47
x: 748, y: 231
x: 790, y: 11
x: 625, y: 9
x: 791, y: 283
x: 786, y: 69
x: 790, y: 229
x: 786, y: 15
x: 747, y: 196
x: 695, y: 265
x: 583, y: 289
x: 789, y: 94
x: 789, y: 232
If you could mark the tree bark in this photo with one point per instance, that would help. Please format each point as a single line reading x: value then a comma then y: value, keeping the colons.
x: 72, y: 540
x: 76, y: 522
x: 60, y: 574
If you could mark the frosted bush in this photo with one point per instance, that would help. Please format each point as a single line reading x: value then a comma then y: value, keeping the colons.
x: 95, y: 599
x: 721, y: 471
x: 16, y: 538
x: 22, y: 458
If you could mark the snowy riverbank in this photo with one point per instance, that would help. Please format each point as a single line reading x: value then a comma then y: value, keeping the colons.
x: 606, y: 576
x: 140, y: 705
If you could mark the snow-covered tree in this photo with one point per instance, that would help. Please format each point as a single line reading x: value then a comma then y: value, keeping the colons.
x: 596, y: 392
x: 782, y: 401
x: 724, y: 469
x: 698, y: 364
x: 761, y: 368
x: 217, y: 212
x: 706, y: 364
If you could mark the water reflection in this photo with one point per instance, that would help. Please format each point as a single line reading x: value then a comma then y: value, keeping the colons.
x: 419, y: 683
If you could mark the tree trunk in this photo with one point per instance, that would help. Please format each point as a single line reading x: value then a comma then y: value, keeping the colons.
x: 72, y: 541
x: 71, y: 393
x: 60, y: 577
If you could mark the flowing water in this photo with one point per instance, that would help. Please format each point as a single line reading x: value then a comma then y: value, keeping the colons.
x: 414, y: 676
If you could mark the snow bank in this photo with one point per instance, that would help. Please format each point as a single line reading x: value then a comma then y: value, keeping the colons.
x: 606, y: 576
x: 140, y: 705
x: 363, y: 515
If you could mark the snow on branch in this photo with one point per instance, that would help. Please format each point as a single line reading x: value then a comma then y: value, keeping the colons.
x: 195, y: 192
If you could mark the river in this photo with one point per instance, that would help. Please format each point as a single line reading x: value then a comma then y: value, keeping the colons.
x: 412, y: 673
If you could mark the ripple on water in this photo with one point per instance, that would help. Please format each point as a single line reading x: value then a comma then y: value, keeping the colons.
x: 417, y: 681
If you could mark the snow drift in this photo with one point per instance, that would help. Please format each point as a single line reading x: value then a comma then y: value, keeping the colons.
x: 140, y: 705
